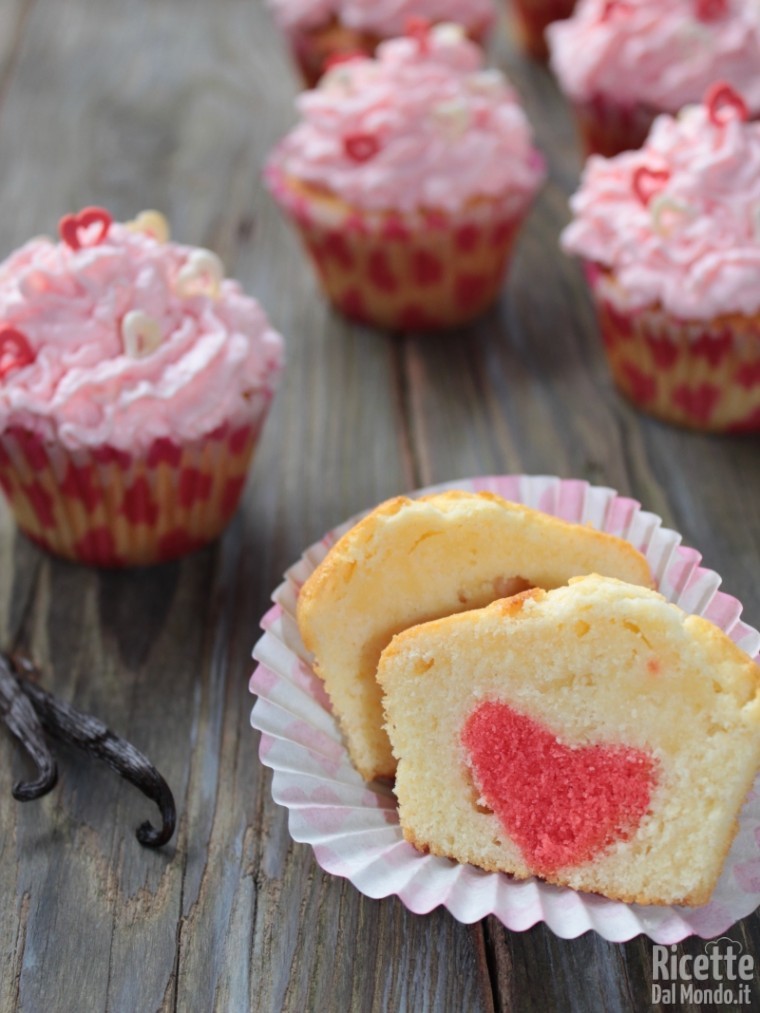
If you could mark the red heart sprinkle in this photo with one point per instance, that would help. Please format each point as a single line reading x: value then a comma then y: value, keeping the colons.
x: 77, y: 230
x: 561, y: 804
x: 711, y: 10
x: 613, y: 6
x: 15, y: 350
x: 647, y: 182
x: 348, y: 57
x: 419, y: 29
x: 724, y: 104
x: 361, y: 147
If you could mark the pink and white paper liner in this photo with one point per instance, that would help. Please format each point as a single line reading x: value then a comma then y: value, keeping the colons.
x: 353, y: 827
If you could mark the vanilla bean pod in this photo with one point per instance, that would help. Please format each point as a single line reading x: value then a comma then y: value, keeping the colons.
x: 21, y: 720
x: 88, y: 733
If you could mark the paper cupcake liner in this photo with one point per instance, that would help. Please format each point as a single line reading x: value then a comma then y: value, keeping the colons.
x: 353, y: 826
x: 701, y: 374
x: 313, y: 49
x: 607, y: 128
x: 105, y: 507
x: 426, y: 271
x: 531, y: 17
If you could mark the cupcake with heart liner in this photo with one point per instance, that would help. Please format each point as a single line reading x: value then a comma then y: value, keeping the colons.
x: 320, y: 32
x: 623, y: 62
x: 134, y: 382
x: 408, y: 178
x: 670, y: 236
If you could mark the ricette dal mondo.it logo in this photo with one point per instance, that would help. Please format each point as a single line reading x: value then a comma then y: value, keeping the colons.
x: 720, y: 975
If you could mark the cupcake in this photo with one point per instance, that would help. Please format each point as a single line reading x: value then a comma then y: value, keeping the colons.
x: 670, y: 236
x: 622, y: 62
x: 322, y: 31
x: 408, y: 179
x: 593, y: 735
x: 134, y: 382
x: 531, y: 18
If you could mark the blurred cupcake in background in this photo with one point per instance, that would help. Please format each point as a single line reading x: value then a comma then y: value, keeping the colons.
x: 531, y: 18
x: 622, y: 62
x: 670, y: 236
x: 134, y: 382
x: 319, y: 32
x: 408, y: 178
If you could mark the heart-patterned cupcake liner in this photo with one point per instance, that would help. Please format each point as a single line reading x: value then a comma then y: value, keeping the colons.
x: 530, y: 18
x: 315, y: 49
x: 105, y: 507
x: 352, y: 826
x: 607, y: 128
x: 701, y: 374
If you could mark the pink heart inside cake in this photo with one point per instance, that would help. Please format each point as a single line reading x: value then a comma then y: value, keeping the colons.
x: 561, y: 804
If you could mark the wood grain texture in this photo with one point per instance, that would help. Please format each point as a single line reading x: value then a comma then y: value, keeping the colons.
x: 174, y: 104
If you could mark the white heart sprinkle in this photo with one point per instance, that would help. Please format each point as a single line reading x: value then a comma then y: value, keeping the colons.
x: 668, y: 213
x: 486, y: 82
x: 152, y: 223
x: 202, y: 274
x: 140, y: 334
x: 453, y: 116
x: 447, y: 33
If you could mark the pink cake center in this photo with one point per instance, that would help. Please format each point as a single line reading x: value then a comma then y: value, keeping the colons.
x: 561, y: 804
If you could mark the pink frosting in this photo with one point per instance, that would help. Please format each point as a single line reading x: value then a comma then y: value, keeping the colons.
x: 381, y: 17
x: 692, y: 244
x: 442, y: 130
x: 661, y: 53
x: 216, y: 359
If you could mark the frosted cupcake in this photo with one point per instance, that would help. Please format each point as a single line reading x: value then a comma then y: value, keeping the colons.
x: 671, y: 238
x: 531, y: 19
x: 134, y: 381
x: 621, y: 62
x: 321, y: 31
x: 408, y: 179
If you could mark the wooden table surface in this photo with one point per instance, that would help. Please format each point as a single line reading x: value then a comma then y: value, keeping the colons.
x: 174, y: 104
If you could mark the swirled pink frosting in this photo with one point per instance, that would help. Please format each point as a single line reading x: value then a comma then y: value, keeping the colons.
x: 661, y: 54
x: 385, y: 18
x: 694, y: 248
x: 445, y: 130
x: 217, y: 355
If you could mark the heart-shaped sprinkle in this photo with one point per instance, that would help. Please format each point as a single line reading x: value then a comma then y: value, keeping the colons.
x: 447, y: 33
x: 202, y: 274
x: 561, y: 804
x: 647, y: 182
x: 340, y: 58
x: 152, y: 223
x: 361, y: 147
x: 15, y: 350
x: 486, y: 82
x: 711, y: 10
x: 724, y: 104
x: 668, y: 214
x: 453, y: 117
x: 140, y: 334
x: 87, y: 228
x: 614, y: 7
x: 419, y: 29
